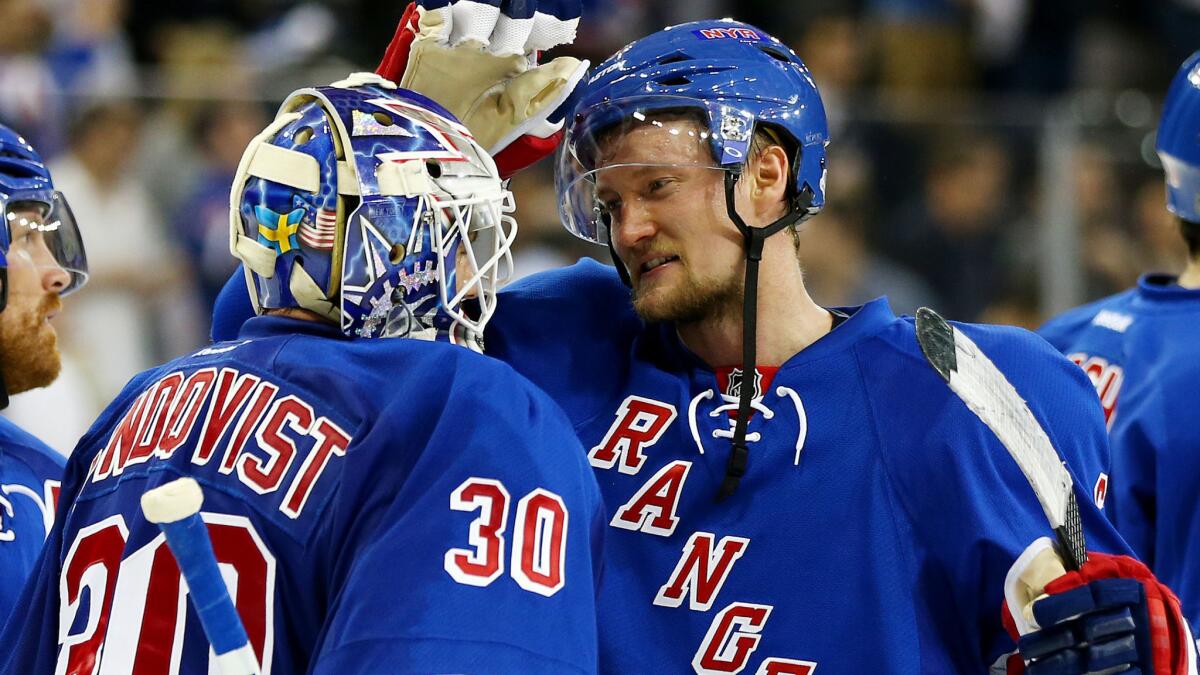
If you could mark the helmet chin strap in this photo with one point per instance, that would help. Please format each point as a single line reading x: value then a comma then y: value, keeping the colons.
x: 754, y: 237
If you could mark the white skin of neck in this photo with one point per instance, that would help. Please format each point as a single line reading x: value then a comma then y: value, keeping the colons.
x: 1191, y: 275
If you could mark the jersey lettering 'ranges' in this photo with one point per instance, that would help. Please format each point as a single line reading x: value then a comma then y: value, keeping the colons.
x: 1141, y: 350
x: 877, y: 519
x: 364, y: 500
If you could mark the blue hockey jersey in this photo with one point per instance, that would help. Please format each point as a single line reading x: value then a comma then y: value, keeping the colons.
x: 377, y: 506
x: 877, y: 519
x: 29, y: 481
x: 1141, y: 350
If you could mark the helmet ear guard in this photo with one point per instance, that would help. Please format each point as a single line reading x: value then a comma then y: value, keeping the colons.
x: 354, y: 204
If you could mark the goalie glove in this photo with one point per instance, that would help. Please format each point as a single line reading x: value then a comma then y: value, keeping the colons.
x: 1110, y: 616
x: 478, y: 59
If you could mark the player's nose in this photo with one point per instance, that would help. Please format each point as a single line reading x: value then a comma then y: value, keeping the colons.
x: 55, y: 279
x: 634, y: 224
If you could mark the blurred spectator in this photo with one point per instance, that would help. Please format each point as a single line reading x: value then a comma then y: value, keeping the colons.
x: 542, y: 242
x: 833, y: 49
x: 922, y: 44
x: 201, y: 225
x: 136, y: 273
x: 200, y: 62
x: 1028, y: 46
x: 1157, y: 230
x: 89, y: 54
x: 1107, y: 248
x: 841, y: 271
x: 1178, y: 22
x: 30, y: 98
x: 951, y: 231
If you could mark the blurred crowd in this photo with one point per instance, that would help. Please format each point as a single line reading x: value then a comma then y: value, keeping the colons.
x: 991, y: 158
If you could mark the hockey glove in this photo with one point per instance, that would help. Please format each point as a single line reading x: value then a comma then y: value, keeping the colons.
x: 478, y: 59
x: 1112, y: 615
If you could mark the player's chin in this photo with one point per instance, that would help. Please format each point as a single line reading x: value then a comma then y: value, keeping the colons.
x: 656, y: 303
x: 47, y: 337
x: 40, y: 370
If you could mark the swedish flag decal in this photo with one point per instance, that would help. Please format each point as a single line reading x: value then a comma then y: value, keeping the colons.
x: 278, y: 230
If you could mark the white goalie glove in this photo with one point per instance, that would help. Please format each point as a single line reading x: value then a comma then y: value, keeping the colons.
x: 479, y: 61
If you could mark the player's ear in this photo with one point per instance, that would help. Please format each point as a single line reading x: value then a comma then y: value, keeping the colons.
x: 768, y: 172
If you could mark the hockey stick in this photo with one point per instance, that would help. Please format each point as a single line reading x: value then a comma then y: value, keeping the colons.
x: 985, y: 390
x: 175, y: 508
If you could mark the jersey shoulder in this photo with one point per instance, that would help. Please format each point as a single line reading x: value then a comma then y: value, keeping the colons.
x: 1057, y: 391
x: 565, y: 327
x: 27, y: 449
x: 565, y: 284
x: 426, y: 390
x: 1064, y: 329
x: 584, y: 298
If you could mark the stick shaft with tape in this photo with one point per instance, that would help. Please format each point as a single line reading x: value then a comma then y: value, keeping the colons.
x: 987, y: 392
x: 175, y: 508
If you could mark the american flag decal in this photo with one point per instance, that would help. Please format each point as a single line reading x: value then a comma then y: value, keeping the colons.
x: 321, y: 233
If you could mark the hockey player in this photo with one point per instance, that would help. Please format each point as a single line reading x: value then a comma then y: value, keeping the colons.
x: 41, y: 260
x: 1140, y: 350
x: 839, y: 507
x: 381, y: 505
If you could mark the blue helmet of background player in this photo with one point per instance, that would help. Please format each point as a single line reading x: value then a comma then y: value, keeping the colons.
x: 1179, y: 141
x: 731, y: 77
x: 373, y: 207
x: 39, y: 225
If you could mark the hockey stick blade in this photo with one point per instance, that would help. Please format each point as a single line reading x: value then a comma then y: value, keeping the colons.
x: 175, y: 508
x: 985, y: 390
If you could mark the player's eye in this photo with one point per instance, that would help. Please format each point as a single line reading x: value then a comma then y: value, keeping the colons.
x: 658, y: 186
x: 607, y: 207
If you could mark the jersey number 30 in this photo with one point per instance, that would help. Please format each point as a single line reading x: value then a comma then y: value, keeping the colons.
x: 539, y: 537
x: 133, y: 611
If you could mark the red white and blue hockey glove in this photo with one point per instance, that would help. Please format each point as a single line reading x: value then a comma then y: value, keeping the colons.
x: 479, y: 60
x: 1110, y: 616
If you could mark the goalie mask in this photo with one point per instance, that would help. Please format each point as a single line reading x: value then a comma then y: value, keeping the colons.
x: 374, y: 208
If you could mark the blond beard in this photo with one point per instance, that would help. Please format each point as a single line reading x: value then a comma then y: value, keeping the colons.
x: 29, y: 346
x: 692, y: 301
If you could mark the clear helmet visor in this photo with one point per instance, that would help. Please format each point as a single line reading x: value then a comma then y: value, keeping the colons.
x: 42, y: 233
x: 611, y: 151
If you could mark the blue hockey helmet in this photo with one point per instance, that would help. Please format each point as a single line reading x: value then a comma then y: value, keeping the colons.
x: 373, y: 207
x: 730, y: 77
x: 1179, y: 141
x: 39, y: 224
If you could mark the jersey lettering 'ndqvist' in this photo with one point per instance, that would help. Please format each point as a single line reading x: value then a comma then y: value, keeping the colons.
x: 294, y: 444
